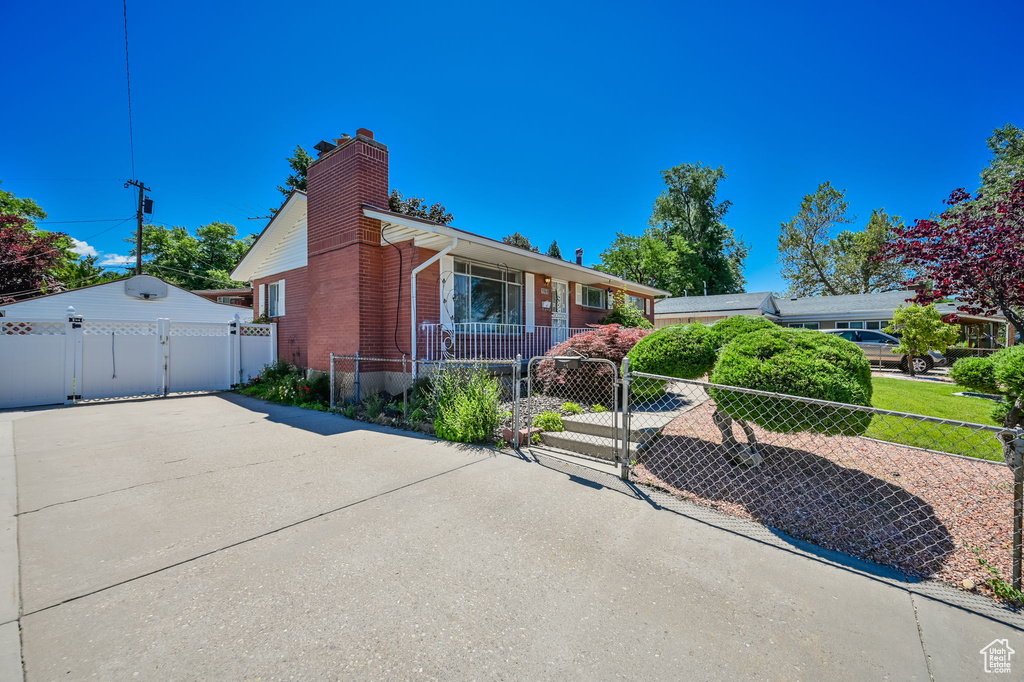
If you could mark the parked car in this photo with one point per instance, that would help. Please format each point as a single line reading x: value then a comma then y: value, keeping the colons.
x: 880, y: 349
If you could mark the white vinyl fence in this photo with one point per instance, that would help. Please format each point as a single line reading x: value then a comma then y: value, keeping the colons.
x: 46, y: 362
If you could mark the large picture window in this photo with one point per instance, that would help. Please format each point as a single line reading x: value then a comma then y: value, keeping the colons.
x: 488, y: 295
x: 593, y: 297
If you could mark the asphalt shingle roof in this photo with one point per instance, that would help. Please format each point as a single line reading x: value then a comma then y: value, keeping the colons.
x: 700, y: 304
x: 849, y: 304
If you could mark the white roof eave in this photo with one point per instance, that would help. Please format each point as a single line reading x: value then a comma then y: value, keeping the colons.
x: 538, y: 262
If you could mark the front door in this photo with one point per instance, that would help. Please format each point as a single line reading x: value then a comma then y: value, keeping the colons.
x: 559, y: 312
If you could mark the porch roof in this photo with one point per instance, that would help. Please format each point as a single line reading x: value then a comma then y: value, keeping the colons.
x: 435, y: 236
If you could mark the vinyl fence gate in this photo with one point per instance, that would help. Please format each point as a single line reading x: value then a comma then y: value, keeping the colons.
x: 47, y: 362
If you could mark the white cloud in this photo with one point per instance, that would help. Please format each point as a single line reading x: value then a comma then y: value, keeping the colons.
x: 113, y: 260
x: 83, y: 248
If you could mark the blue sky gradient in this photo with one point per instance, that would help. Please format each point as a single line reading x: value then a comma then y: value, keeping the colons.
x: 551, y: 119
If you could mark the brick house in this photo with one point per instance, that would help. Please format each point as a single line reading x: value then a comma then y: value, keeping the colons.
x: 341, y: 273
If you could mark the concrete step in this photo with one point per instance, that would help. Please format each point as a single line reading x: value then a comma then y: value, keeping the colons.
x: 584, y: 443
x: 645, y: 425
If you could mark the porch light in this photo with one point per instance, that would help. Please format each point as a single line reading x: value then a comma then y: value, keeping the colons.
x: 547, y: 279
x: 609, y: 291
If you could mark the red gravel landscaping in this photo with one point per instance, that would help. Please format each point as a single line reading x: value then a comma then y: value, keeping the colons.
x: 917, y: 511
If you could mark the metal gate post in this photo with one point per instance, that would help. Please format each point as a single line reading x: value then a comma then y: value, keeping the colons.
x: 332, y: 380
x: 626, y: 435
x: 357, y: 378
x: 1017, y: 449
x: 515, y: 400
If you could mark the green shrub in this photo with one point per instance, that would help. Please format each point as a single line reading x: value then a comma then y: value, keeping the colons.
x: 467, y: 405
x: 795, y: 362
x: 320, y: 388
x: 599, y: 408
x: 373, y: 406
x: 724, y: 331
x: 418, y: 416
x: 978, y: 374
x: 277, y: 371
x: 627, y: 316
x: 685, y: 351
x: 1009, y: 369
x: 548, y: 421
x: 350, y: 411
x: 572, y: 408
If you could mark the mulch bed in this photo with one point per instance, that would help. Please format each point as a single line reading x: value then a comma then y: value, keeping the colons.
x: 917, y: 511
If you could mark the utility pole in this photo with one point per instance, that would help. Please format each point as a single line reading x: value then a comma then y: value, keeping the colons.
x: 144, y: 204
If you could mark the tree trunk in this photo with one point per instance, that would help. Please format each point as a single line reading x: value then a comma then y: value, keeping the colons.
x: 910, y: 365
x: 743, y: 454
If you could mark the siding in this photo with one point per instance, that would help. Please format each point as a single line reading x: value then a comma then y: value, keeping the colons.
x: 108, y: 301
x: 289, y: 254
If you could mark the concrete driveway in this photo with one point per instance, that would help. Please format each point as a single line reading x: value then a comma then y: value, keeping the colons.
x: 220, y: 538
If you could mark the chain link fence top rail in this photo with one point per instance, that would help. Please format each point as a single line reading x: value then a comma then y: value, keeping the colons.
x: 927, y: 496
x: 393, y: 391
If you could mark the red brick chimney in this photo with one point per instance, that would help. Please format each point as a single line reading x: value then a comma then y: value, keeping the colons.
x: 343, y: 246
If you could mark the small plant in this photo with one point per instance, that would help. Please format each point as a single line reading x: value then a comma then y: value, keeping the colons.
x: 501, y: 444
x: 535, y: 439
x: 418, y: 416
x: 598, y: 408
x: 625, y: 313
x: 467, y: 405
x: 548, y: 421
x: 350, y: 411
x: 999, y: 586
x: 572, y: 408
x: 373, y: 406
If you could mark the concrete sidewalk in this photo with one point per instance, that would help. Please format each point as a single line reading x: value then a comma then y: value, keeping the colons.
x: 217, y: 537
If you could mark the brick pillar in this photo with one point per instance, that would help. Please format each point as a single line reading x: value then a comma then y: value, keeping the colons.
x: 345, y: 259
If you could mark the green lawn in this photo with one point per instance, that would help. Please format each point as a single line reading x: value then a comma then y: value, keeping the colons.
x: 935, y: 400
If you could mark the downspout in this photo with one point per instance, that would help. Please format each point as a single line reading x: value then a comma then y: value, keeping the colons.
x: 412, y: 306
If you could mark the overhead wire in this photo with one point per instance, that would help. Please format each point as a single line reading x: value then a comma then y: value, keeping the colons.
x: 128, y: 77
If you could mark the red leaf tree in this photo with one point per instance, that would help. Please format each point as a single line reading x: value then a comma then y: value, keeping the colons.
x: 26, y: 258
x: 973, y: 251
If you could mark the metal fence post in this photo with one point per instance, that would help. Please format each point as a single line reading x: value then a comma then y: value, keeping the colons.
x: 358, y: 398
x: 1017, y: 448
x: 515, y: 400
x: 624, y: 463
x: 332, y: 380
x: 405, y: 393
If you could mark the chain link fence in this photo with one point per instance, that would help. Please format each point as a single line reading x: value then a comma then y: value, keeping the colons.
x: 401, y: 392
x: 927, y: 496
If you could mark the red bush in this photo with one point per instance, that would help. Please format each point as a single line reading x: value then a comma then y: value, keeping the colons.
x: 591, y: 382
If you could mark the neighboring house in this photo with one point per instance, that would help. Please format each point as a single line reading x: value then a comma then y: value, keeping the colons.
x: 341, y: 273
x: 136, y: 298
x: 853, y: 311
x: 239, y: 297
x: 711, y: 309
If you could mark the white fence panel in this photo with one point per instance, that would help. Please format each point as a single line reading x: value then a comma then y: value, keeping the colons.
x: 32, y: 362
x: 200, y: 357
x: 258, y: 348
x: 120, y: 359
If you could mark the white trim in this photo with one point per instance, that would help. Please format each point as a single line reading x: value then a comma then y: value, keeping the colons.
x: 530, y: 316
x: 447, y: 291
x: 544, y: 262
x: 274, y: 235
x: 647, y: 305
x: 579, y: 294
x: 280, y: 297
x: 263, y: 299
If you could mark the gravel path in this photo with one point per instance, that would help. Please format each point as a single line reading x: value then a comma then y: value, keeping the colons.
x: 917, y: 511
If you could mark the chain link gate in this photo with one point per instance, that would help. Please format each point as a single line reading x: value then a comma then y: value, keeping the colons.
x: 573, y: 405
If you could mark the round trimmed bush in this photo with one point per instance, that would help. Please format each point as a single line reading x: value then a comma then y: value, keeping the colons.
x: 797, y: 362
x: 978, y: 374
x: 685, y: 351
x: 724, y: 331
x: 1009, y: 369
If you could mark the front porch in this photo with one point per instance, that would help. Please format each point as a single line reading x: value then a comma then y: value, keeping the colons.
x: 482, y: 340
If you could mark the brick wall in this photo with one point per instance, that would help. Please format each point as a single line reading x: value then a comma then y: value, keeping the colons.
x: 348, y: 307
x: 292, y: 327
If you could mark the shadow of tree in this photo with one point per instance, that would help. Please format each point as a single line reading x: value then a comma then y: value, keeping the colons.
x: 806, y: 496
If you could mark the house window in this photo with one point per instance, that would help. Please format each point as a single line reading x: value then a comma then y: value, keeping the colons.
x: 273, y: 299
x: 849, y: 325
x: 225, y: 299
x: 637, y: 302
x: 805, y: 325
x: 877, y: 325
x: 593, y: 297
x: 488, y: 295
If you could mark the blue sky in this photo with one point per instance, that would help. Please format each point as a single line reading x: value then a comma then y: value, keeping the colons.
x: 552, y: 119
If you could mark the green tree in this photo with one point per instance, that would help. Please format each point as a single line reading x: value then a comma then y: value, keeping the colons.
x: 203, y: 261
x: 554, y: 251
x: 22, y: 208
x: 921, y: 329
x: 299, y: 162
x: 625, y: 313
x: 418, y: 208
x: 858, y: 268
x: 647, y: 259
x: 29, y: 256
x: 82, y: 273
x: 516, y: 239
x: 688, y: 211
x: 1007, y: 165
x: 806, y: 245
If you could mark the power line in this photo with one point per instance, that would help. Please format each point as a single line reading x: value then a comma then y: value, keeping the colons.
x: 64, y: 222
x: 24, y: 258
x: 128, y: 77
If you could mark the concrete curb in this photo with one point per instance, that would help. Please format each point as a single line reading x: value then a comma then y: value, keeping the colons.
x: 10, y: 631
